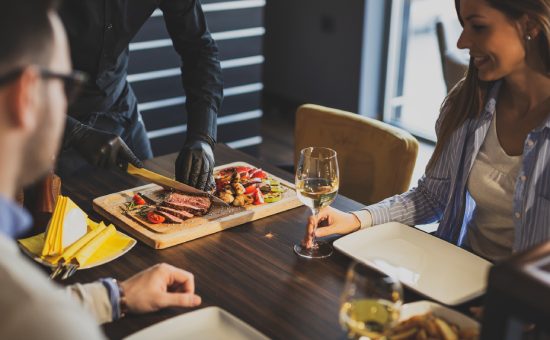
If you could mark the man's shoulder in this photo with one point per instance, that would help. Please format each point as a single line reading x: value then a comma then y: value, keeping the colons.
x: 35, y: 319
x: 37, y: 308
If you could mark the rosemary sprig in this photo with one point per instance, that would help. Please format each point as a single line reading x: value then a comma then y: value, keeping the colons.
x: 128, y: 206
x: 143, y: 211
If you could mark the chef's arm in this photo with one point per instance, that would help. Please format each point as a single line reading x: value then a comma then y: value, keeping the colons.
x: 100, y: 148
x: 203, y: 84
x: 201, y: 72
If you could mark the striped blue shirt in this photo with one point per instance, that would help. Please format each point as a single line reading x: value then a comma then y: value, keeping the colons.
x: 442, y: 195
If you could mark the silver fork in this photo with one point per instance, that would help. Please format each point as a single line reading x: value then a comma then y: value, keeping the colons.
x: 58, y: 270
x: 70, y: 269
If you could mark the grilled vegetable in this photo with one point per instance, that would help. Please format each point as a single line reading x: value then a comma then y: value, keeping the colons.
x: 258, y: 197
x: 227, y: 197
x: 265, y: 188
x: 273, y: 197
x: 250, y: 189
x: 240, y: 201
x: 258, y: 173
x: 243, y: 186
x: 239, y: 188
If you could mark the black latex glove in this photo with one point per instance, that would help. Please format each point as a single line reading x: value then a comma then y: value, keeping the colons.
x: 101, y: 149
x: 195, y: 164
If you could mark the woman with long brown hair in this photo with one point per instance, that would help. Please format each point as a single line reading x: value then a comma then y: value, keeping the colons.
x: 488, y: 181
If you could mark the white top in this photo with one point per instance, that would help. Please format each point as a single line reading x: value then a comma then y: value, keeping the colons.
x: 492, y: 184
x: 35, y: 308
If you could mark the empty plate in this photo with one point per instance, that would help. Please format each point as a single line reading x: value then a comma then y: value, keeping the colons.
x: 423, y: 262
x: 206, y: 323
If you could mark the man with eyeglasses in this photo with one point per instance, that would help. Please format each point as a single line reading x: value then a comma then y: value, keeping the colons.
x: 35, y: 83
x: 99, y: 34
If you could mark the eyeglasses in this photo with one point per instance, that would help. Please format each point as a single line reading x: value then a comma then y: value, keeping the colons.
x: 72, y: 82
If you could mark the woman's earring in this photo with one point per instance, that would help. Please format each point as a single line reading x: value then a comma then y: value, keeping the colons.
x: 528, y: 37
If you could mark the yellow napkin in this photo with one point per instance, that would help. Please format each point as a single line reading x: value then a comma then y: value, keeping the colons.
x: 72, y: 235
x: 107, y: 245
x: 90, y: 248
x: 67, y: 225
x: 72, y: 250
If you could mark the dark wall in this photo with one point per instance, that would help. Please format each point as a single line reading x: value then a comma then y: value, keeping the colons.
x: 313, y: 51
x: 154, y: 74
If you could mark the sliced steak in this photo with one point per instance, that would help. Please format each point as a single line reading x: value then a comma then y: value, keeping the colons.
x: 196, y: 211
x: 169, y: 217
x: 203, y: 202
x: 178, y: 213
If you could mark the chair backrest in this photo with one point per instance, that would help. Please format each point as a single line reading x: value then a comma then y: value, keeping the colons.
x: 376, y: 160
x: 453, y: 62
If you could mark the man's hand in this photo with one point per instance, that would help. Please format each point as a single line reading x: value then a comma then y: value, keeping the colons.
x: 195, y: 164
x: 158, y: 287
x: 101, y: 149
x: 337, y: 222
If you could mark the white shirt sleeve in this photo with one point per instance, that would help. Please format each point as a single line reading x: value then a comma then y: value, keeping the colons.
x: 94, y: 298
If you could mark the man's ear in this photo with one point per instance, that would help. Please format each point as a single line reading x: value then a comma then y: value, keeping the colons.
x: 23, y: 100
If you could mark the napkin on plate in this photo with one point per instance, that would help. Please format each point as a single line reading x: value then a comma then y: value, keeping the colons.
x: 97, y: 244
x: 67, y: 225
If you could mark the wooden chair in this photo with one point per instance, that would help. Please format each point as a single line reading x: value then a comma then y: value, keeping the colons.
x: 454, y: 63
x: 376, y: 160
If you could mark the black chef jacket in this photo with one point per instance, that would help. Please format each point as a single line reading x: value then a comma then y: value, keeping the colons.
x: 99, y: 33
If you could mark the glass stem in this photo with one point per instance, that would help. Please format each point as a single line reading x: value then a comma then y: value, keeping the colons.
x: 315, y: 214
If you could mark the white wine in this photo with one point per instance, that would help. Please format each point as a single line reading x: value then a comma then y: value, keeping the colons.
x: 368, y: 317
x: 317, y: 192
x: 317, y: 187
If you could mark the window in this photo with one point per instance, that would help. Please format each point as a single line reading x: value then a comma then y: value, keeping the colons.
x: 415, y: 86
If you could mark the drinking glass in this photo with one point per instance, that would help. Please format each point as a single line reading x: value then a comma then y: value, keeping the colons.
x: 317, y: 182
x: 370, y: 303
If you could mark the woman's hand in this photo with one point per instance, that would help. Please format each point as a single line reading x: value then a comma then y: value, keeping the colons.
x: 334, y: 221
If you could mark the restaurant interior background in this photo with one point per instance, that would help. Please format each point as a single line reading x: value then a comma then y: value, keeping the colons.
x: 378, y: 58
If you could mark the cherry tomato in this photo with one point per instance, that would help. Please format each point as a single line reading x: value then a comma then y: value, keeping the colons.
x: 259, y: 173
x: 155, y: 218
x: 250, y: 189
x: 138, y: 199
x: 242, y: 169
x: 258, y: 197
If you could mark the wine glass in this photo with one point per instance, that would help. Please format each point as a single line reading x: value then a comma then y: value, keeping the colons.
x: 370, y: 303
x: 317, y: 182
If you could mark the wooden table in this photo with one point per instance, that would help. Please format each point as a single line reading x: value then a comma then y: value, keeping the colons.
x: 250, y: 270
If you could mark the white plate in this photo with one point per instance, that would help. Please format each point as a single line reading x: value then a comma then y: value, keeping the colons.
x: 422, y: 307
x: 422, y: 262
x: 113, y: 256
x: 206, y: 323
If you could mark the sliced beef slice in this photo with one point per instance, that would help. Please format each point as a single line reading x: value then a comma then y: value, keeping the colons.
x: 178, y: 213
x: 194, y: 210
x: 203, y: 202
x: 169, y: 217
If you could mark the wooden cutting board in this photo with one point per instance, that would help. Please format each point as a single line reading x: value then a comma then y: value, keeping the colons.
x: 219, y: 217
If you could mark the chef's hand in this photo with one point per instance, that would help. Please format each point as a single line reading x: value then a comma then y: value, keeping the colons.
x: 158, y: 287
x: 102, y: 149
x: 335, y: 221
x: 195, y: 164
